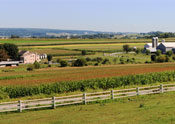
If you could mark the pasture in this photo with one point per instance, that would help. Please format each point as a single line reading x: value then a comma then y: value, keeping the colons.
x: 149, y: 109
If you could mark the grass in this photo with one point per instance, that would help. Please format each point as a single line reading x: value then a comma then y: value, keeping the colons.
x: 55, y: 74
x: 149, y: 109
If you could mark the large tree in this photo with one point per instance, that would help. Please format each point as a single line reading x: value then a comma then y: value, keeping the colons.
x: 126, y: 48
x: 12, y: 50
x: 3, y: 55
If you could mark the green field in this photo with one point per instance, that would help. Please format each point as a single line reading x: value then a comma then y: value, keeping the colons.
x: 70, y: 41
x: 150, y: 109
x: 76, y: 41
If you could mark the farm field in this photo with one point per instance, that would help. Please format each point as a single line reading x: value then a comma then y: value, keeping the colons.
x: 75, y: 41
x: 69, y: 41
x: 93, y: 47
x: 149, y: 109
x: 51, y: 75
x: 55, y: 52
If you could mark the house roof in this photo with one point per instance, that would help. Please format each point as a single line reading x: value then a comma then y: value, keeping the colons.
x: 169, y: 44
x: 22, y: 52
x: 150, y: 44
x: 152, y: 50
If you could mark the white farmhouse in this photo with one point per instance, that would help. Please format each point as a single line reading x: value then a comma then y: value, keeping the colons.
x: 29, y: 57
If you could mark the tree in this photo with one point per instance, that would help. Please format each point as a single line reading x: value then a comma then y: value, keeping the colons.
x: 159, y: 52
x: 14, y: 36
x: 49, y: 58
x: 83, y: 52
x: 36, y: 65
x: 79, y: 62
x: 169, y: 53
x: 3, y: 55
x: 138, y: 51
x: 12, y: 50
x: 147, y: 52
x: 63, y: 63
x: 126, y: 48
x: 153, y: 58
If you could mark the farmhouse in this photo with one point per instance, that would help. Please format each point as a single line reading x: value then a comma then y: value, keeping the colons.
x: 27, y: 57
x: 155, y: 45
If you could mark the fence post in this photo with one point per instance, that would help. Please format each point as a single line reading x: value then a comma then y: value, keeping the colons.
x: 53, y: 102
x: 20, y: 106
x: 137, y: 90
x: 161, y: 88
x: 84, y: 98
x: 112, y: 94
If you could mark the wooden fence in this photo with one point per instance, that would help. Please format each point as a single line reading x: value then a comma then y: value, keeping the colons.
x: 82, y: 98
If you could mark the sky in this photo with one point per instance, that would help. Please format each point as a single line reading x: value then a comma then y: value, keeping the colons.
x: 96, y: 15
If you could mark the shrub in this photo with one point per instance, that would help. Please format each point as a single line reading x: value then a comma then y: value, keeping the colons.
x: 79, y: 62
x: 30, y: 67
x: 106, y: 61
x: 36, y: 65
x: 99, y: 59
x: 167, y: 59
x: 161, y: 58
x: 159, y: 52
x: 84, y: 52
x: 122, y: 61
x: 173, y: 57
x: 88, y: 59
x: 49, y: 65
x: 96, y: 64
x: 59, y: 60
x: 147, y: 52
x: 169, y: 53
x: 63, y: 63
x: 141, y: 105
x: 138, y: 51
x: 153, y: 58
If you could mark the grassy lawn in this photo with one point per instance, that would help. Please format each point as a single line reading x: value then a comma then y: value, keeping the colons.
x: 150, y: 109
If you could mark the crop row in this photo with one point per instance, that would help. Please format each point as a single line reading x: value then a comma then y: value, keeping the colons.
x: 71, y: 86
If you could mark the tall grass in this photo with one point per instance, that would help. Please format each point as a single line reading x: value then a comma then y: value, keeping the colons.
x: 105, y: 83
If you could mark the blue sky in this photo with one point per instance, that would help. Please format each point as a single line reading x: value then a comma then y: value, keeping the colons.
x: 98, y: 15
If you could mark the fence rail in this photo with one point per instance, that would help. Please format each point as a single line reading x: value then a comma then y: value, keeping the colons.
x: 82, y: 98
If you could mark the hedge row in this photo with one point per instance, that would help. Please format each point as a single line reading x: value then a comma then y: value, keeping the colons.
x: 105, y: 83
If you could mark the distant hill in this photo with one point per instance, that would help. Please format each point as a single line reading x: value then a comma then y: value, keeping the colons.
x: 42, y: 32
